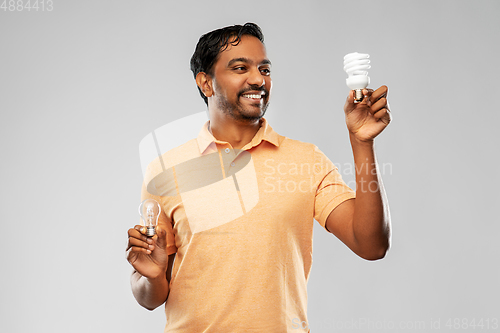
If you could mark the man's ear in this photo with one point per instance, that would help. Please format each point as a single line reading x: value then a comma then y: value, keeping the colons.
x: 205, y: 83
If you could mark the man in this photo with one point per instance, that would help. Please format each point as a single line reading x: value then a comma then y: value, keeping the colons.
x: 245, y: 268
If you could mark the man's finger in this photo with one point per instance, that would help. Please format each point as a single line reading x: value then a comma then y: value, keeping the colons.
x: 136, y: 233
x: 383, y: 115
x: 134, y: 250
x: 137, y: 242
x: 349, y: 103
x: 379, y: 105
x: 161, y: 237
x: 379, y: 93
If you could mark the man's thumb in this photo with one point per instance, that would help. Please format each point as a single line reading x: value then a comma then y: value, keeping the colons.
x: 349, y: 102
x: 161, y: 240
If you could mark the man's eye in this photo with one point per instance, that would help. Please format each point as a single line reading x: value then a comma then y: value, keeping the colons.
x: 266, y: 71
x: 239, y: 68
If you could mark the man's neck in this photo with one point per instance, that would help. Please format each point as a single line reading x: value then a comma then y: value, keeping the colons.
x: 237, y: 134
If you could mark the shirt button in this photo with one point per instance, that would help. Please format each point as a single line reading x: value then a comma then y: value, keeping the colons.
x: 232, y: 164
x: 227, y: 150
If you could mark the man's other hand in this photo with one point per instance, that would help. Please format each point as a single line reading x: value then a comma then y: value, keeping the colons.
x: 148, y: 255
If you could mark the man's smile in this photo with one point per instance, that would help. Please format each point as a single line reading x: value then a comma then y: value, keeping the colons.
x: 253, y: 96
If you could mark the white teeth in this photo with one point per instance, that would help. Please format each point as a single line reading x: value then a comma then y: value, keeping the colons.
x: 252, y: 96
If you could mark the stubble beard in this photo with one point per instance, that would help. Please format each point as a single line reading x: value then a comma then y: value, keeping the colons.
x: 237, y: 112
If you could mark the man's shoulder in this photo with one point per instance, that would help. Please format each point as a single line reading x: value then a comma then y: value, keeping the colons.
x: 177, y: 155
x: 177, y: 136
x: 296, y: 145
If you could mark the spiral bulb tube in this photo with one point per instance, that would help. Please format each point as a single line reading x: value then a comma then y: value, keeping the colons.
x: 356, y: 66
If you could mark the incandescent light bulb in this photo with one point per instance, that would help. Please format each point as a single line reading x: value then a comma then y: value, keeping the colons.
x: 149, y: 211
x: 356, y: 66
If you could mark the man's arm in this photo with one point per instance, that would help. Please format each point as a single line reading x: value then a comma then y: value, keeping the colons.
x: 363, y: 223
x: 152, y: 267
x: 151, y: 293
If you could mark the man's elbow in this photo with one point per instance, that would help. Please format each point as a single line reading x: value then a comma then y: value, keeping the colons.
x: 379, y: 246
x: 149, y: 304
x: 376, y: 253
x: 149, y: 307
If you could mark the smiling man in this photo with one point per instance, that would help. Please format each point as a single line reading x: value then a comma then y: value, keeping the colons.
x: 242, y: 242
x: 237, y: 89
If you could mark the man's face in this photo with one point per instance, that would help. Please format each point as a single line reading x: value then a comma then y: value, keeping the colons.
x: 242, y: 80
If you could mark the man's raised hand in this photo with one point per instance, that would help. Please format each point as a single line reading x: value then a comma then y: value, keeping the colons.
x: 367, y: 119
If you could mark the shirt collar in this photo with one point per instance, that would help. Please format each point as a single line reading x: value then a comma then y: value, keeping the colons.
x: 207, y: 142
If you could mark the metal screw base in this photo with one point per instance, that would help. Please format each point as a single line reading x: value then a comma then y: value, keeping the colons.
x: 150, y: 231
x: 358, y: 95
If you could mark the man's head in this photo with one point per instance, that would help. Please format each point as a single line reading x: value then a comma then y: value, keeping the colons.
x: 213, y: 43
x: 231, y: 65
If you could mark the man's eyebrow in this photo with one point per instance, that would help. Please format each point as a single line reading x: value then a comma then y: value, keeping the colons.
x: 246, y: 60
x: 266, y: 62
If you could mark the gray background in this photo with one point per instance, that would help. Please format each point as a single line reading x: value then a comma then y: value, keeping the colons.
x: 81, y: 85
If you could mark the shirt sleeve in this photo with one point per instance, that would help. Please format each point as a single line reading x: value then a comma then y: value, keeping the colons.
x: 331, y: 190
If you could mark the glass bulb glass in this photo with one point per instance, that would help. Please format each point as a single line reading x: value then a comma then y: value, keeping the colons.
x: 149, y: 211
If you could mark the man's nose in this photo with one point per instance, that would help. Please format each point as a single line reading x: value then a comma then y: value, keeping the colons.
x: 256, y: 78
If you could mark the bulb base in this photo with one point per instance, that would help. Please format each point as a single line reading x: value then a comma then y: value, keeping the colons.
x: 150, y: 231
x: 358, y: 95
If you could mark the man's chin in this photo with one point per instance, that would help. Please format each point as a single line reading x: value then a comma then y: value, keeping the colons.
x: 253, y: 114
x: 247, y: 113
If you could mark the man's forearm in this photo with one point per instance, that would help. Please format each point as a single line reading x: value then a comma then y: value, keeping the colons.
x: 149, y: 293
x: 371, y: 219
